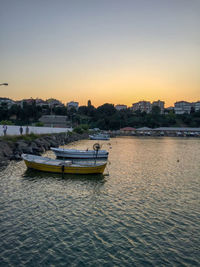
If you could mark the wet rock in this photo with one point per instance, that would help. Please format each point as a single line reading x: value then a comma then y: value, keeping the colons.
x: 12, y: 151
x: 16, y: 156
x: 43, y: 142
x: 23, y: 147
x: 5, y: 150
x: 37, y: 148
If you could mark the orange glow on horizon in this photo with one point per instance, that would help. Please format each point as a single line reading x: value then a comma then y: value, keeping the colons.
x: 117, y: 87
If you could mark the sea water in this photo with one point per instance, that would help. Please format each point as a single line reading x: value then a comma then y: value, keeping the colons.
x: 144, y: 210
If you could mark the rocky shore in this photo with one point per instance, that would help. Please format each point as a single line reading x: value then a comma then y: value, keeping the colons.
x: 12, y: 150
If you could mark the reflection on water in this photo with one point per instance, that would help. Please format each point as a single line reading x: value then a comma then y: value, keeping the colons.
x: 30, y: 174
x: 146, y: 212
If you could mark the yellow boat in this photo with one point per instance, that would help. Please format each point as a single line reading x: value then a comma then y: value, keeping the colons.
x: 61, y: 166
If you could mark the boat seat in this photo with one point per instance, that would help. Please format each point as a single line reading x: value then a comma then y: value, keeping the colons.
x: 65, y: 163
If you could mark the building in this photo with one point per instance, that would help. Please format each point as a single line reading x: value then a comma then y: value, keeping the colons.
x: 197, y: 106
x: 127, y: 130
x: 29, y: 101
x: 72, y: 104
x: 143, y: 106
x: 160, y: 104
x: 54, y: 103
x: 55, y: 121
x: 6, y: 101
x: 182, y: 107
x: 41, y: 103
x: 168, y: 110
x: 146, y: 106
x: 144, y: 131
x: 177, y: 131
x: 120, y: 107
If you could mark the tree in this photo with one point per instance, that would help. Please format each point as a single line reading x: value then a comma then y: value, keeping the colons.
x: 155, y: 110
x: 5, y: 122
x: 106, y: 110
x: 83, y: 110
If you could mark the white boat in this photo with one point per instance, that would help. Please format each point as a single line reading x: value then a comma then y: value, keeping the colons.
x: 80, y: 154
x: 99, y: 137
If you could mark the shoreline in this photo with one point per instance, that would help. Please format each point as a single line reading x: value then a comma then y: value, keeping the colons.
x: 11, y: 147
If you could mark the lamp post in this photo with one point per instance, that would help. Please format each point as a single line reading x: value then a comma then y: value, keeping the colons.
x: 6, y: 84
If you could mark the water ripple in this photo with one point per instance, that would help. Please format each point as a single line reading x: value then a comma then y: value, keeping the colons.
x: 146, y: 213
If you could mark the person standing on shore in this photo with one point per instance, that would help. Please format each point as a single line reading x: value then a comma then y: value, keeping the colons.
x: 21, y: 130
x: 5, y: 127
x: 27, y: 130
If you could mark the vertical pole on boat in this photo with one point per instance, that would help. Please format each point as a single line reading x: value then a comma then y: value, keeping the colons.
x: 96, y: 156
x: 63, y: 170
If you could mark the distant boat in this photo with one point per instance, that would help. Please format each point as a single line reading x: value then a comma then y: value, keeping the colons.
x: 99, y: 137
x: 80, y: 154
x: 60, y: 166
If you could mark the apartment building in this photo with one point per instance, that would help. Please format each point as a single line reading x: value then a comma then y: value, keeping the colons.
x: 72, y: 104
x: 143, y: 106
x: 182, y: 107
x: 54, y: 103
x: 41, y: 102
x: 160, y: 104
x: 120, y: 107
x: 6, y: 101
x: 197, y: 106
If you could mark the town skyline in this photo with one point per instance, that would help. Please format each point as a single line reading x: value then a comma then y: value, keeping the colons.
x: 91, y: 102
x: 82, y: 103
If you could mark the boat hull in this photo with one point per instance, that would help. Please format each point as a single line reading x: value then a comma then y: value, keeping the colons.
x: 99, y: 137
x: 91, y: 154
x: 96, y: 169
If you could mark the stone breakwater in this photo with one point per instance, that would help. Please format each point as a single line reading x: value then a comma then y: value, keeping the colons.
x: 10, y: 150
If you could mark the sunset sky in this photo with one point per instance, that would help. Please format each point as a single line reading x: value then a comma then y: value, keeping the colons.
x: 108, y: 51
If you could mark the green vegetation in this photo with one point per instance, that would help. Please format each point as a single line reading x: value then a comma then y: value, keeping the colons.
x: 21, y: 115
x: 6, y: 122
x: 15, y: 138
x: 39, y: 124
x: 104, y: 117
x: 69, y: 133
x: 81, y: 128
x: 78, y: 130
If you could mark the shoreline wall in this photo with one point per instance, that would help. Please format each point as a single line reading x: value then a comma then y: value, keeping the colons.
x: 10, y: 150
x: 14, y: 130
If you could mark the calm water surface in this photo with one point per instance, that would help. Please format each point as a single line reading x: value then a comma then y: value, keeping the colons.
x: 146, y: 212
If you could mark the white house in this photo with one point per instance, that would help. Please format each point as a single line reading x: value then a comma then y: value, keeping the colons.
x: 182, y: 107
x: 72, y: 104
x: 197, y: 105
x: 143, y: 106
x: 120, y: 107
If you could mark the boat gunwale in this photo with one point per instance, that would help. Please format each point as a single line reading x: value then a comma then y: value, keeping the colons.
x: 77, y: 151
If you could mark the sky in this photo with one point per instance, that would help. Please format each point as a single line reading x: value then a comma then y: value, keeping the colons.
x: 108, y: 51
